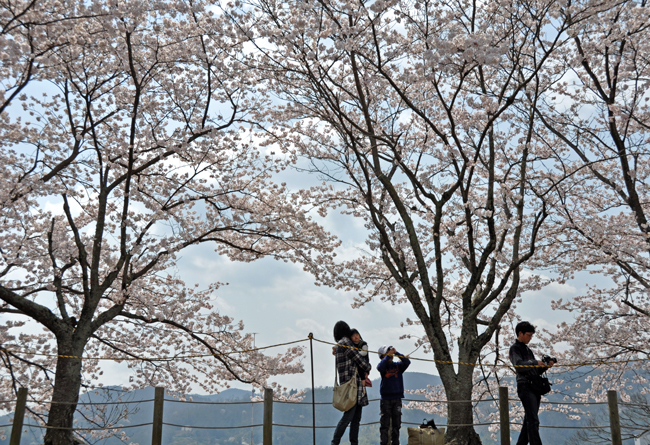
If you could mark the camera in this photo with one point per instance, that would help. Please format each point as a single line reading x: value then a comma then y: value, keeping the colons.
x: 547, y: 359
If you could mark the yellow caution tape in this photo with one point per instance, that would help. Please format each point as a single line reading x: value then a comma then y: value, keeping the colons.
x: 154, y: 359
x: 568, y: 365
x: 311, y: 337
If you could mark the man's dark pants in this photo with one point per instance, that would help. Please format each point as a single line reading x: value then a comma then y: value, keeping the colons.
x: 530, y: 428
x: 391, y: 411
x: 353, y: 418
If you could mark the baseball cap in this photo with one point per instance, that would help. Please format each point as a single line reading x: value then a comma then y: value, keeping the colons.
x: 384, y: 349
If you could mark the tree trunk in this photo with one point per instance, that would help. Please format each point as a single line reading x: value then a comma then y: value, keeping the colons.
x: 460, y: 412
x: 67, y: 384
x: 458, y: 387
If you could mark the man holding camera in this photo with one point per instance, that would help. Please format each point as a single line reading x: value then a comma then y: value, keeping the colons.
x: 521, y: 355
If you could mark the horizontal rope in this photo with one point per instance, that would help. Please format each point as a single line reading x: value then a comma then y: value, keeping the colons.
x: 633, y: 404
x: 449, y: 401
x: 146, y: 401
x: 513, y: 423
x: 320, y: 426
x: 378, y: 400
x: 309, y: 403
x: 576, y: 427
x: 568, y: 403
x: 47, y: 427
x: 329, y: 403
x: 449, y: 362
x: 154, y: 359
x: 213, y: 427
x: 213, y: 403
x: 627, y: 427
x: 462, y: 401
x: 441, y: 425
x: 456, y: 424
x: 92, y: 403
x: 311, y: 337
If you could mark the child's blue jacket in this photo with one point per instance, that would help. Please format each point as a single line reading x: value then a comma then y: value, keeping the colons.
x: 392, y: 383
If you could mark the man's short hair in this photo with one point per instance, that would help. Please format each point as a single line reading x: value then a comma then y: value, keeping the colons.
x: 524, y: 327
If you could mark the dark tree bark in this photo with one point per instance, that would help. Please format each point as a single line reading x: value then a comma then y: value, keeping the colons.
x: 65, y: 396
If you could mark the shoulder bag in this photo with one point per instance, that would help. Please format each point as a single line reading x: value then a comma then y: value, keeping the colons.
x: 345, y: 395
x: 539, y: 384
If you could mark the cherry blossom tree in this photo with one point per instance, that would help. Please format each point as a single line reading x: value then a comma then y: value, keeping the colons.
x: 123, y: 132
x: 419, y: 118
x: 599, y: 112
x: 596, y: 117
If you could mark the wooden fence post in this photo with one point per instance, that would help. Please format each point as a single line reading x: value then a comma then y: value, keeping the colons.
x: 614, y: 421
x: 267, y: 429
x: 504, y: 415
x: 313, y: 389
x: 158, y: 403
x: 19, y: 415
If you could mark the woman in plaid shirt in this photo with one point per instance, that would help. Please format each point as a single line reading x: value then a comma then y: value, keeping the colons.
x: 348, y: 360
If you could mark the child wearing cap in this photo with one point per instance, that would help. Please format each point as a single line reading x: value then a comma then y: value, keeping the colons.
x: 362, y: 346
x: 391, y: 391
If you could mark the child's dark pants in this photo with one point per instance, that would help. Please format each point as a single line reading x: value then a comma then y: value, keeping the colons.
x: 390, y: 410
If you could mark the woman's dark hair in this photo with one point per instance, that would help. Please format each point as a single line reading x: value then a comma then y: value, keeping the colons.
x: 341, y: 329
x: 354, y: 331
x: 524, y: 327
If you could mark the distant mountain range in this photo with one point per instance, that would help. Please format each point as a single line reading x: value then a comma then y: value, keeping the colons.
x: 232, y: 408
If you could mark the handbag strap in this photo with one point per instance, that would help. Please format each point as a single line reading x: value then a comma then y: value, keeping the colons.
x: 336, y: 374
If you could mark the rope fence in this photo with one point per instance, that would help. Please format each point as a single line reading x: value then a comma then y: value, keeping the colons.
x: 157, y: 423
x: 159, y: 400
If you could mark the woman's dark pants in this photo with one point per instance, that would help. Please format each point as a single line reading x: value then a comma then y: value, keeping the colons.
x: 353, y: 418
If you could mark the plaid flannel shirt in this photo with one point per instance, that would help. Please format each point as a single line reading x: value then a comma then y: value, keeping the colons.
x: 347, y: 361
